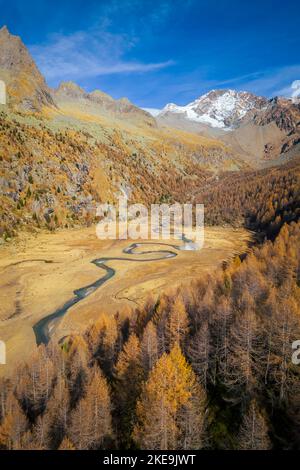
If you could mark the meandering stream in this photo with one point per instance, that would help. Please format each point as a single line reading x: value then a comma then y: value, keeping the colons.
x: 45, y: 327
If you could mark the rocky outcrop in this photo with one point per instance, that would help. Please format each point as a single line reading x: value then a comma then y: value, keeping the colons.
x: 283, y: 112
x: 270, y: 135
x: 26, y: 87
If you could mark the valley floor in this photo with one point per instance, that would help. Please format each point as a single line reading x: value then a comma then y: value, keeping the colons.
x: 39, y: 274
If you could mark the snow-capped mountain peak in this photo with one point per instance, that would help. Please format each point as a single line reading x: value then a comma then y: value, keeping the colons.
x: 222, y: 109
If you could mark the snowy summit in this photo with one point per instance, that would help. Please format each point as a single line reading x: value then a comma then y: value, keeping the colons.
x: 219, y: 108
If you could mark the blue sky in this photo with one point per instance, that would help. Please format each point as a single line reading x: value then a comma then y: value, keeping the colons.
x: 161, y: 51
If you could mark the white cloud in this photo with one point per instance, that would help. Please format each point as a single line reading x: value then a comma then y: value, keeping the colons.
x: 153, y: 111
x: 88, y: 54
x: 292, y: 90
x: 295, y: 89
x: 273, y: 82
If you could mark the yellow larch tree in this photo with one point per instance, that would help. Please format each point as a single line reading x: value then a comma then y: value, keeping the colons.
x: 170, y: 400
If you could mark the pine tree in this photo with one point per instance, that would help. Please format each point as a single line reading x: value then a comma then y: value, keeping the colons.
x: 191, y: 421
x: 13, y: 426
x: 56, y: 414
x: 149, y: 347
x: 38, y: 439
x: 245, y: 357
x: 90, y: 422
x: 5, y: 385
x: 101, y: 338
x: 35, y: 382
x: 169, y: 403
x: 160, y: 320
x: 76, y: 367
x: 198, y: 351
x: 129, y: 374
x: 253, y: 433
x: 178, y: 324
x: 285, y: 329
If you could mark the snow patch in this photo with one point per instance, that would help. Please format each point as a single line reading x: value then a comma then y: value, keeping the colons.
x: 215, y: 108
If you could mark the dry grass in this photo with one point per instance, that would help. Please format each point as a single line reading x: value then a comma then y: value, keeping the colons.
x: 31, y: 288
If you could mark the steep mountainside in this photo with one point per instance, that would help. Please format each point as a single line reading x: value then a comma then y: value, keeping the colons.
x: 262, y: 132
x: 53, y: 171
x: 28, y: 91
x: 64, y: 152
x: 269, y: 136
x: 26, y: 87
x: 70, y: 96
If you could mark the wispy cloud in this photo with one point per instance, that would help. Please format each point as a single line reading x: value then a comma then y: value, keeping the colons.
x: 153, y: 111
x: 280, y: 81
x: 88, y: 54
x: 274, y: 82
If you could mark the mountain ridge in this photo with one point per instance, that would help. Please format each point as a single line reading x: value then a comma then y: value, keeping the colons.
x: 223, y: 109
x: 99, y: 102
x: 28, y: 91
x: 262, y: 131
x: 60, y: 157
x: 26, y: 86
